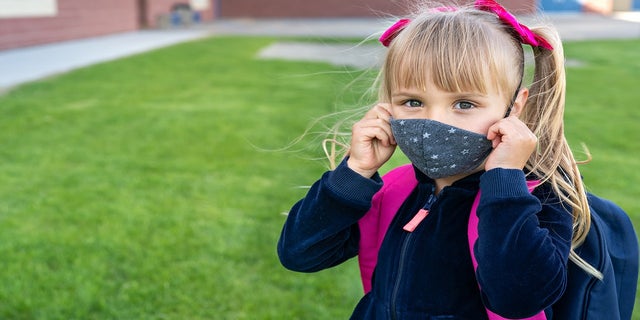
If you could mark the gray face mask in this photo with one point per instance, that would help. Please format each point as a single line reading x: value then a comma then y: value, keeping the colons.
x: 440, y: 150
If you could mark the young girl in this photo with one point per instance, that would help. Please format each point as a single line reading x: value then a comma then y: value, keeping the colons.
x: 450, y: 97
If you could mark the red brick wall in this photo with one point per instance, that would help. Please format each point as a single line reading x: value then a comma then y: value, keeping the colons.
x: 309, y: 8
x: 334, y: 8
x: 86, y: 18
x: 519, y: 6
x: 75, y: 19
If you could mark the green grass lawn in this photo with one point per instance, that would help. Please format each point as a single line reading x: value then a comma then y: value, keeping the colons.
x: 141, y: 188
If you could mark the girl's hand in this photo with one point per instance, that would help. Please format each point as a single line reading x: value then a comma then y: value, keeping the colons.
x: 372, y: 142
x: 513, y: 144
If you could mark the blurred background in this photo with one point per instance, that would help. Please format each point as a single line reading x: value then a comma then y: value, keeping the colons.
x: 30, y: 22
x: 150, y: 149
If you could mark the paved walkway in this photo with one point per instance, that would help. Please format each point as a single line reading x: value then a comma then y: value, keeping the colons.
x: 22, y: 65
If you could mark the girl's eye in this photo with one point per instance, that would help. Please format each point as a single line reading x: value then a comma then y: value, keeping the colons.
x: 413, y: 103
x: 464, y: 105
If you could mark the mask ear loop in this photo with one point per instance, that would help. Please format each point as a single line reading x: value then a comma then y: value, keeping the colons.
x: 515, y: 95
x: 513, y: 100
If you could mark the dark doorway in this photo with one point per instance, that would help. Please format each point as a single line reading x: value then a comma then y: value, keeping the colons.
x: 143, y: 22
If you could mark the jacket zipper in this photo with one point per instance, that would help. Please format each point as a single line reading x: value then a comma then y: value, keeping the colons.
x: 403, y: 253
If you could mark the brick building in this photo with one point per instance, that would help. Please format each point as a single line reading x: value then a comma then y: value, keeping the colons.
x: 30, y: 22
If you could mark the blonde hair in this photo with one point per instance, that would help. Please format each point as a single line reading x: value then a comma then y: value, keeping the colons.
x: 471, y: 50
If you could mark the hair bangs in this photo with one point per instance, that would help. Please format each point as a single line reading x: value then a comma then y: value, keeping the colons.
x: 451, y: 51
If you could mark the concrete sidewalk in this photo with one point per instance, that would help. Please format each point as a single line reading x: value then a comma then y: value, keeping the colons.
x: 22, y: 65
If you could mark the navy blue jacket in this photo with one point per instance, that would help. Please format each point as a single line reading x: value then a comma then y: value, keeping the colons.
x: 522, y: 249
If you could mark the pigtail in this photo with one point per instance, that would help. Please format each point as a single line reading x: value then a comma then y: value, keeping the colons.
x: 554, y: 161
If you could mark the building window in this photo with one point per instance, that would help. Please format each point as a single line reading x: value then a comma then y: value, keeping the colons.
x: 28, y: 8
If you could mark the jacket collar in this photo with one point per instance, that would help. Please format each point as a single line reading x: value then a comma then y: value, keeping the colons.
x: 470, y: 182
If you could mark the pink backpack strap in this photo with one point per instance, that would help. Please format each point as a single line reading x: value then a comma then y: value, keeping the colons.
x: 398, y: 184
x: 472, y: 234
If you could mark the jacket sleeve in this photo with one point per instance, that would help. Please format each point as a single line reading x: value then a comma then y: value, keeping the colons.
x: 523, y: 245
x: 321, y: 230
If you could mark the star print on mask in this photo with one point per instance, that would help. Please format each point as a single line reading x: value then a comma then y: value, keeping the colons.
x: 440, y: 150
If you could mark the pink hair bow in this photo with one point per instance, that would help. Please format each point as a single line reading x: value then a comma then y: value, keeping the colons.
x: 393, y: 31
x: 525, y: 34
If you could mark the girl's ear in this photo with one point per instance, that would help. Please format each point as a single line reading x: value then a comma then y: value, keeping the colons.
x: 519, y: 103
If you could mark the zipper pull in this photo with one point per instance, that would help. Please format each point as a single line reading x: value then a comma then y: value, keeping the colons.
x: 413, y: 224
